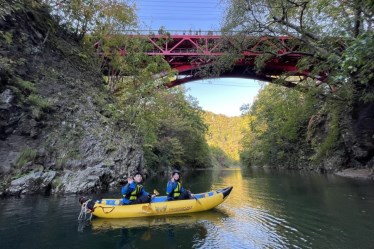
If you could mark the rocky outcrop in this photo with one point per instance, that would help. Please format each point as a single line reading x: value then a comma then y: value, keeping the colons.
x: 91, y: 179
x: 57, y: 131
x: 362, y: 174
x: 360, y: 139
x: 353, y: 146
x: 35, y: 182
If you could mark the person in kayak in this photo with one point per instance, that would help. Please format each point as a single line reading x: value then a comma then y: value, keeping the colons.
x: 133, y: 192
x: 174, y: 189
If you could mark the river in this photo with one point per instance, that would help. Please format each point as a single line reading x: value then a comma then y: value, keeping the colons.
x: 266, y: 209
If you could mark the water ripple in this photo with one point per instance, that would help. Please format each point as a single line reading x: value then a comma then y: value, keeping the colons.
x: 264, y: 210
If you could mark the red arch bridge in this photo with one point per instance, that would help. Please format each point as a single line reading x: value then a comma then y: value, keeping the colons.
x: 187, y: 54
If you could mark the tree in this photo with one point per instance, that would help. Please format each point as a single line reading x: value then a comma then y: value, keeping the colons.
x: 335, y: 38
x: 82, y: 16
x: 324, y: 29
x: 175, y: 137
x: 224, y: 133
x: 277, y: 123
x: 164, y: 122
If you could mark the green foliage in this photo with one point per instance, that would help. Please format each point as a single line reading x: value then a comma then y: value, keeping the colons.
x: 341, y: 46
x: 330, y: 142
x: 27, y: 155
x: 262, y: 60
x: 56, y: 183
x: 39, y: 102
x: 80, y: 16
x: 146, y: 108
x: 225, y: 133
x: 60, y: 162
x: 324, y: 130
x: 26, y: 91
x: 337, y: 54
x: 277, y: 123
x: 7, y: 36
x: 220, y: 159
x: 170, y: 151
x: 25, y: 86
x: 39, y: 105
x: 357, y: 66
x: 7, y: 9
x: 174, y: 131
x: 168, y: 124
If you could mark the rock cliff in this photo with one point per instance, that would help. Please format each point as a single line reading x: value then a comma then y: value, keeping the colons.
x: 56, y: 131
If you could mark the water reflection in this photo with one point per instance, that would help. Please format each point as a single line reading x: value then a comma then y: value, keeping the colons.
x: 165, y: 236
x: 249, y: 204
x: 189, y: 230
x: 266, y: 209
x: 213, y: 216
x: 288, y: 208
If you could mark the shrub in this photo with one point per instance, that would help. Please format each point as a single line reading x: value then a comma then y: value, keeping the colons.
x: 27, y: 155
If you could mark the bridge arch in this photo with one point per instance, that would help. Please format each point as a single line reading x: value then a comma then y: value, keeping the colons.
x: 240, y: 72
x: 187, y: 54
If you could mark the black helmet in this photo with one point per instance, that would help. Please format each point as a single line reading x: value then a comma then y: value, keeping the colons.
x: 138, y: 173
x: 176, y: 172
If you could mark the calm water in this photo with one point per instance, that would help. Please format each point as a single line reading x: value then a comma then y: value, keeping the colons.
x: 267, y: 209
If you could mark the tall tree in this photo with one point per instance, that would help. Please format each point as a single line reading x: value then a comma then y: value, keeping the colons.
x: 165, y: 122
x: 277, y: 126
x: 176, y: 134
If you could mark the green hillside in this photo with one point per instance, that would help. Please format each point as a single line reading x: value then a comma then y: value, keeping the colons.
x: 225, y: 133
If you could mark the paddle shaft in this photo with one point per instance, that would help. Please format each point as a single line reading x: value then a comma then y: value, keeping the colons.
x: 197, y: 199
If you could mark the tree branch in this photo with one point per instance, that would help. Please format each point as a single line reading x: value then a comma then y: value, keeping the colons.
x: 298, y: 29
x: 287, y: 53
x: 357, y: 22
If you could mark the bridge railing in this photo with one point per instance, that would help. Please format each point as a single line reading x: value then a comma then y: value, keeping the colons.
x: 175, y: 32
x: 201, y: 32
x: 178, y: 50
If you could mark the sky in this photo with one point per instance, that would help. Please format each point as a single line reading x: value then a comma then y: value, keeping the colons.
x: 222, y: 95
x: 180, y: 14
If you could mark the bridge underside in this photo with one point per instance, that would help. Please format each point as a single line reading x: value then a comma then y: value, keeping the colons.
x: 190, y: 55
x: 269, y: 74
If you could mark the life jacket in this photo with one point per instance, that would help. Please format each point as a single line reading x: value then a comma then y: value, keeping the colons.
x: 177, y: 191
x: 134, y: 194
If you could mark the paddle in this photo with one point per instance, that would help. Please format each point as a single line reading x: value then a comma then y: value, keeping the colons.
x: 148, y: 208
x: 195, y: 198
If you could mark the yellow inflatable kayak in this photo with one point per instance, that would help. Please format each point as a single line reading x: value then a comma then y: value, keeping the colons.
x: 113, y: 208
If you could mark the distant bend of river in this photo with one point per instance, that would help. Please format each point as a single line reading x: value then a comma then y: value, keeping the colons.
x: 266, y: 209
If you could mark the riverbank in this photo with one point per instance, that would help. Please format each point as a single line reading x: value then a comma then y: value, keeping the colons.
x: 363, y: 174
